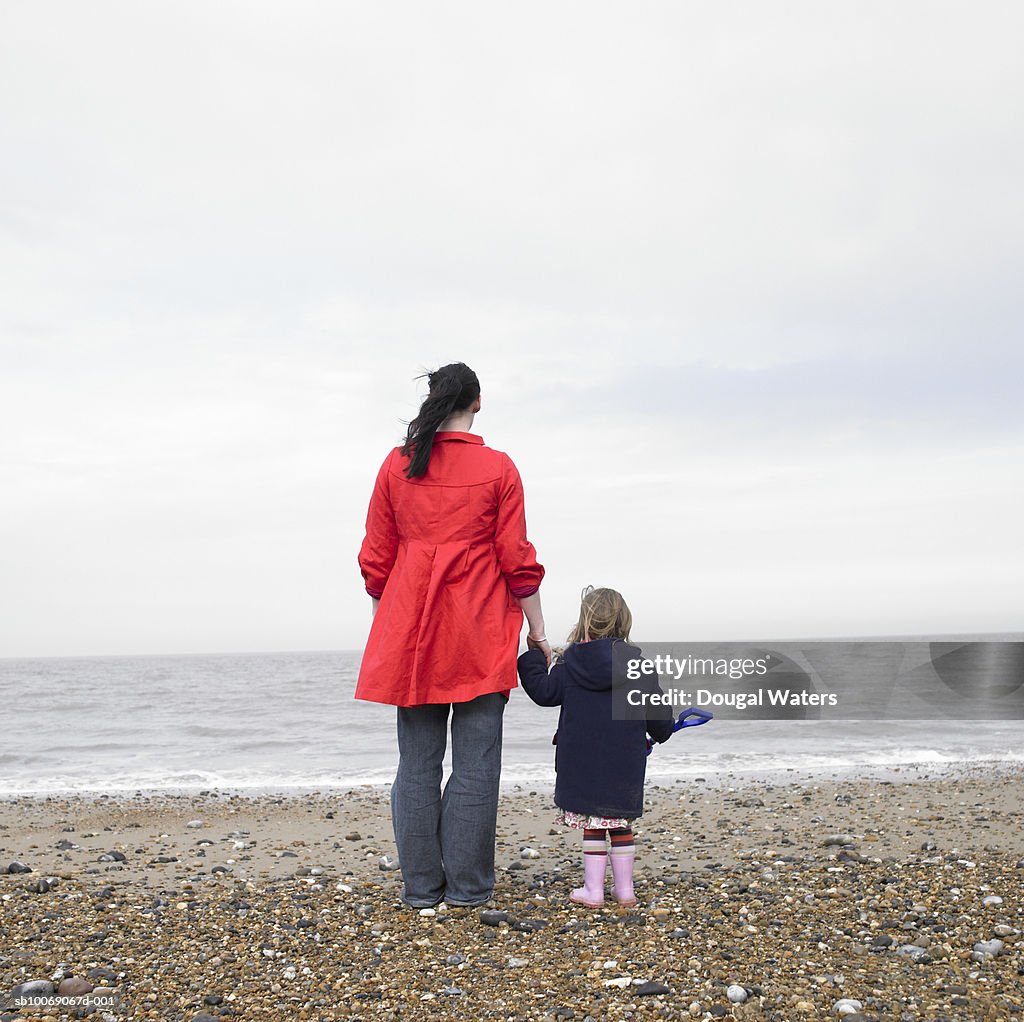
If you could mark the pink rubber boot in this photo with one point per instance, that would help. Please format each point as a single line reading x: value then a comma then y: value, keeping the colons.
x: 591, y: 893
x: 622, y: 874
x: 623, y: 855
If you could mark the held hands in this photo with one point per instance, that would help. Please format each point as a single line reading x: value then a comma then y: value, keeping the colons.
x: 540, y: 643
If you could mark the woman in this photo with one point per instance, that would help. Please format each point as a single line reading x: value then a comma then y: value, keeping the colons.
x: 450, y: 571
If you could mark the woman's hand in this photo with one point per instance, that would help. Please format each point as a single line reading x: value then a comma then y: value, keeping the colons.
x: 540, y: 643
x: 374, y: 604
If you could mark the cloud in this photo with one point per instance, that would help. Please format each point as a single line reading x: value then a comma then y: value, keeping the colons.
x: 741, y: 287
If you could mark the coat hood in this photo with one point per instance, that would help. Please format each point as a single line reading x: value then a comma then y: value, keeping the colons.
x: 590, y: 663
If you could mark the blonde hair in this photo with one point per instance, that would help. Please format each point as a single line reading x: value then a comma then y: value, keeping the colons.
x: 603, y: 615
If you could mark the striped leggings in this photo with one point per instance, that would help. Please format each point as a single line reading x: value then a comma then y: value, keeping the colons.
x: 621, y: 841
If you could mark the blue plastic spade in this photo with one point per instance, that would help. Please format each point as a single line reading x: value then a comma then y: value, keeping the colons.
x: 683, y: 720
x: 691, y: 717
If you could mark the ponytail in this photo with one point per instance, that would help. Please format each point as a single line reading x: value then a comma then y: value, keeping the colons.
x: 453, y: 388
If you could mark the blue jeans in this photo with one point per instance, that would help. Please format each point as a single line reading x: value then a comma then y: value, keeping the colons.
x: 446, y: 840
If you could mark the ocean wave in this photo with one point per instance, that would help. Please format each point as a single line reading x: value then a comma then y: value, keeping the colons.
x: 532, y: 775
x: 188, y: 782
x: 852, y: 759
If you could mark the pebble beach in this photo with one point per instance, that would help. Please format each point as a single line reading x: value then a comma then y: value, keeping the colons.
x: 893, y: 897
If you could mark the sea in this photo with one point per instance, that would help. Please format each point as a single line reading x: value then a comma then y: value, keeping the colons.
x: 289, y: 723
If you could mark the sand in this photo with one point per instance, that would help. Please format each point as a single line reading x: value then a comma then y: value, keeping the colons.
x: 797, y: 896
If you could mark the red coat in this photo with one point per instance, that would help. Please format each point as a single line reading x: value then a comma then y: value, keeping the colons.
x: 447, y: 555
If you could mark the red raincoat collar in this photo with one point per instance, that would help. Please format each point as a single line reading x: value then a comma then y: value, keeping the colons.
x: 455, y: 434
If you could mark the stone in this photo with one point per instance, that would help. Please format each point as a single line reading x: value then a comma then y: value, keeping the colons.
x: 838, y: 839
x: 74, y: 986
x: 736, y: 994
x: 528, y: 925
x: 33, y: 988
x: 847, y: 1006
x: 987, y: 949
x: 491, y: 917
x: 651, y: 989
x: 911, y: 951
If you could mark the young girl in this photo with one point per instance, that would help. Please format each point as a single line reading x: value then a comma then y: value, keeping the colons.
x: 599, y: 761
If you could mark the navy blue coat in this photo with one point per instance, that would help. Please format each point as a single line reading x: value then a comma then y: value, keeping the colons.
x: 600, y: 762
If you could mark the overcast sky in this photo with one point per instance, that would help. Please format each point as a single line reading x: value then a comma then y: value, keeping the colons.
x: 741, y: 282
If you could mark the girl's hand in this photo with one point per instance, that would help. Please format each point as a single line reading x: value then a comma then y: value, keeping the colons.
x: 542, y: 644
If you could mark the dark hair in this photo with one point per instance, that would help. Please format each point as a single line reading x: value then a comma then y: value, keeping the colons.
x: 453, y: 388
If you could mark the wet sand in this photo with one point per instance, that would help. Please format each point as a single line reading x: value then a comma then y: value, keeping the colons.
x: 763, y: 898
